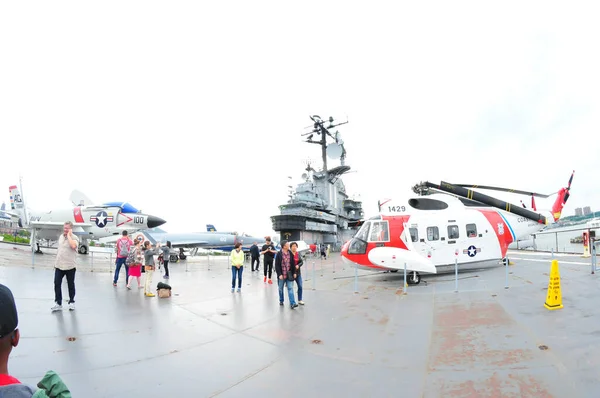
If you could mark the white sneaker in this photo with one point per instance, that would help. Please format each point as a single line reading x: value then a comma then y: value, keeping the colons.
x: 57, y: 307
x: 72, y: 307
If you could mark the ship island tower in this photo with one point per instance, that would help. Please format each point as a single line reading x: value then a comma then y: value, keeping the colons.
x: 319, y: 210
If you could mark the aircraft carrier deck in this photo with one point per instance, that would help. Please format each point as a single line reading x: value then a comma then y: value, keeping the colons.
x: 483, y: 341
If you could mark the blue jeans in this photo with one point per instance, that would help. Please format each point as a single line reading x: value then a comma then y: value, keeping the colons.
x: 120, y: 262
x: 290, y: 289
x: 236, y: 272
x: 299, y: 283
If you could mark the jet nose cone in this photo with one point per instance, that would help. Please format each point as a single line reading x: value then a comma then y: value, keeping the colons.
x: 154, y: 221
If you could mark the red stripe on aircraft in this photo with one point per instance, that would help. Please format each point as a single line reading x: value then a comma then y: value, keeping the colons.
x: 126, y: 221
x: 77, y: 215
x: 502, y: 232
x: 396, y: 227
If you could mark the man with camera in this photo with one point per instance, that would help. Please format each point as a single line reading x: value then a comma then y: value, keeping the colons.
x: 65, y: 266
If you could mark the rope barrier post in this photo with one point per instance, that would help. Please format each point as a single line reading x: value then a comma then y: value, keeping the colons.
x: 456, y: 275
x: 405, y: 287
x: 313, y: 276
x: 506, y: 273
x: 593, y: 257
x: 355, y: 278
x: 92, y: 253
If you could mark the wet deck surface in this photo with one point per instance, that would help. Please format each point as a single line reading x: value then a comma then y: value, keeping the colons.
x: 205, y: 341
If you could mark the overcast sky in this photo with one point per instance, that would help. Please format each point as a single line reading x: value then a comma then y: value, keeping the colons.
x: 193, y: 111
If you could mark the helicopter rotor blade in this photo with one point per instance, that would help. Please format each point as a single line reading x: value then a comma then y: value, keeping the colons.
x: 528, y: 193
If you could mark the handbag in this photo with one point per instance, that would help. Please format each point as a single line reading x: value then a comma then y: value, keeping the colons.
x: 164, y: 290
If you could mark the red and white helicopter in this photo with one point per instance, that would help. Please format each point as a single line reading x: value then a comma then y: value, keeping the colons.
x: 431, y: 231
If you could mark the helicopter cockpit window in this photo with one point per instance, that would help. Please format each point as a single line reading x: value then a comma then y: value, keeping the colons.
x: 414, y: 234
x: 363, y: 232
x: 379, y: 232
x: 433, y: 233
x: 358, y: 245
x: 471, y: 230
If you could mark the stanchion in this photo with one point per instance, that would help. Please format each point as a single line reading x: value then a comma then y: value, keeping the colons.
x: 506, y: 273
x: 456, y: 275
x: 186, y: 265
x: 405, y: 287
x: 356, y: 278
x: 594, y: 258
x: 334, y: 266
x: 92, y: 253
x: 313, y: 276
x: 32, y: 257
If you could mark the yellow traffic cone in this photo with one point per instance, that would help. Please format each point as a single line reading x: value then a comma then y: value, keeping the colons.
x: 554, y: 297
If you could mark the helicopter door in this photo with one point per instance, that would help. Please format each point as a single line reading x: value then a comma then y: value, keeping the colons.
x: 454, y: 241
x: 430, y: 241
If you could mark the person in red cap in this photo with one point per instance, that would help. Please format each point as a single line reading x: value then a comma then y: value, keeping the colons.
x: 51, y: 386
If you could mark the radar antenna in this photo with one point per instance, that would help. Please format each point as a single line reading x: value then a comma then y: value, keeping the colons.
x: 336, y: 150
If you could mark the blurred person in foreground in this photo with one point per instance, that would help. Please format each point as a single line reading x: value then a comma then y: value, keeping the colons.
x: 51, y: 385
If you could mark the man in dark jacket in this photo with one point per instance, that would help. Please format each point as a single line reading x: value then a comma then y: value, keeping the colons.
x: 51, y: 386
x: 284, y: 268
x: 255, y: 253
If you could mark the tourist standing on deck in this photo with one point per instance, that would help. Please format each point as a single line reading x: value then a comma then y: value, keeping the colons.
x: 284, y: 267
x: 135, y: 268
x: 65, y: 266
x: 299, y: 261
x: 255, y: 256
x: 268, y: 250
x: 237, y: 266
x: 124, y: 243
x: 166, y: 257
x: 150, y: 265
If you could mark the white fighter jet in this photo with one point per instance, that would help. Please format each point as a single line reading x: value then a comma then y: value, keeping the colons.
x: 89, y: 221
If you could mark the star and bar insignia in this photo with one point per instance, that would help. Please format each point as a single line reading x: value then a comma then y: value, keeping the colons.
x: 472, y: 251
x: 101, y: 219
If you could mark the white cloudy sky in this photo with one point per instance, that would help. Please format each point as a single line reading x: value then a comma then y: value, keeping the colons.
x: 193, y: 111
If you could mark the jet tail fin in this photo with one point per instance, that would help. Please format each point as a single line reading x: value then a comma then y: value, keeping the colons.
x: 210, y: 228
x: 17, y: 204
x: 78, y: 198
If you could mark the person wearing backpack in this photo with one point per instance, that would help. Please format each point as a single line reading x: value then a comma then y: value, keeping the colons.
x: 124, y: 243
x: 134, y: 262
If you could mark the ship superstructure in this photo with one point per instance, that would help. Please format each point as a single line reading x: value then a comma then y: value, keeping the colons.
x: 320, y: 211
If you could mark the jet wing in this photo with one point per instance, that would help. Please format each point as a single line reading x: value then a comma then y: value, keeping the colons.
x: 55, y: 224
x: 78, y: 228
x: 191, y: 243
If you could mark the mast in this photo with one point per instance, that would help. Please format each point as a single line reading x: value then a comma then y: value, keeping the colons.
x: 320, y: 129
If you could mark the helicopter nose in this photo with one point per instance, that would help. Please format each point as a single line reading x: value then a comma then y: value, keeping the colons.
x: 154, y: 221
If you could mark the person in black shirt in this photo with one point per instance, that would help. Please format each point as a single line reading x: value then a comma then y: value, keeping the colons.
x: 255, y: 256
x: 268, y: 250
